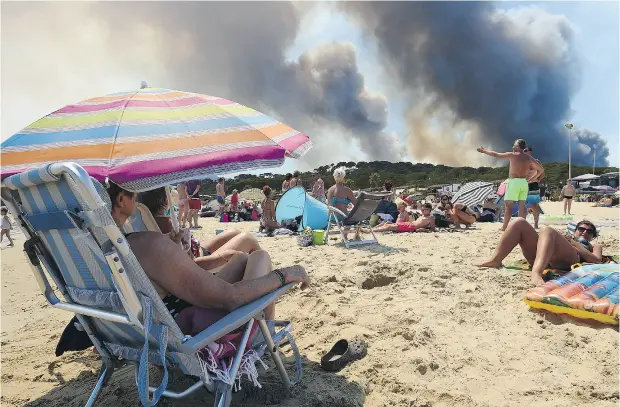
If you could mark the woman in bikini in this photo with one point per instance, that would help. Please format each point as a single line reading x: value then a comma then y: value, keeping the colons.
x: 339, y: 195
x: 548, y: 247
x: 268, y: 220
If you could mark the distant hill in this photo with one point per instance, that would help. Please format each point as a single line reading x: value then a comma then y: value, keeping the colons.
x: 401, y: 174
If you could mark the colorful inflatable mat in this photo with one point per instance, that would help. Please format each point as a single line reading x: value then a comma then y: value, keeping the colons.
x: 588, y: 292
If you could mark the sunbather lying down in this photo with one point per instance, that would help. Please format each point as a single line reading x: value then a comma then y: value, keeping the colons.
x: 404, y: 223
x: 549, y: 247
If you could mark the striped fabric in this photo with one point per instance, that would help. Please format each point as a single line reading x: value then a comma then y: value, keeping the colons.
x: 80, y: 259
x: 473, y: 193
x: 152, y: 137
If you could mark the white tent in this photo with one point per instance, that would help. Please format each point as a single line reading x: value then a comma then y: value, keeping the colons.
x: 585, y: 177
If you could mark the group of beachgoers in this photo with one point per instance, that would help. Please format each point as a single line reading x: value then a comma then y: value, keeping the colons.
x: 549, y: 248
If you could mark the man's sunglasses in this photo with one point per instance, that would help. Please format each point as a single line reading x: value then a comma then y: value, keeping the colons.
x: 585, y: 230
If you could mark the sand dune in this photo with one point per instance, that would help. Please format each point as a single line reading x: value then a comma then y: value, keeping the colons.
x: 441, y: 332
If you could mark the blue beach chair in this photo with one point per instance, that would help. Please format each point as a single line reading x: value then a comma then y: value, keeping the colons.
x: 72, y: 236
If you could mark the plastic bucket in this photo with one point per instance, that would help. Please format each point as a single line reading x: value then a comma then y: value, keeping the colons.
x: 297, y: 203
x: 374, y: 219
x: 318, y: 237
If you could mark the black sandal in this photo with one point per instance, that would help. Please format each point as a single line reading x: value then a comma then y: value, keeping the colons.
x: 342, y: 353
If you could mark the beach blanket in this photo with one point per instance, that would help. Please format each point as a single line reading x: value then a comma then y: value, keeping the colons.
x: 587, y: 292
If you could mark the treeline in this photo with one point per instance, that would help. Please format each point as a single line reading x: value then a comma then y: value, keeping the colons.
x: 372, y: 174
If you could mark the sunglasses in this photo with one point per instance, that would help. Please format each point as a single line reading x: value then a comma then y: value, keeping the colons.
x: 585, y: 230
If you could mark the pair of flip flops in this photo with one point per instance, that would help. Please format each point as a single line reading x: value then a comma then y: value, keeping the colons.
x: 343, y: 353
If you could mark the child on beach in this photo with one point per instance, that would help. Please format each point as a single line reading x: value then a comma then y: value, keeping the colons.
x: 6, y: 226
x: 517, y: 189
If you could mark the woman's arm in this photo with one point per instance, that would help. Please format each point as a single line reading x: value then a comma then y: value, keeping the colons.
x: 596, y: 256
x: 330, y: 194
x: 169, y: 267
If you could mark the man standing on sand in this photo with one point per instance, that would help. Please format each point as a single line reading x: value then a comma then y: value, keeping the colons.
x: 220, y: 191
x: 516, y: 190
x: 534, y: 190
x: 568, y: 192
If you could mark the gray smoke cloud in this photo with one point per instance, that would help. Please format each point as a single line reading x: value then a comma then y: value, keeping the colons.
x: 231, y: 49
x: 502, y: 75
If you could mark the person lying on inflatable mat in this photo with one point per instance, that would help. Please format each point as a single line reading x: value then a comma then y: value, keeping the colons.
x: 404, y: 224
x: 520, y: 164
x: 549, y: 248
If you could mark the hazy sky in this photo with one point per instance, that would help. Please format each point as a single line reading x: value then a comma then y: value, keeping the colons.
x: 54, y: 54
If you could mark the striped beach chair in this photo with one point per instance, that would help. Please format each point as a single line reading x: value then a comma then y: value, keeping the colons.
x: 72, y: 237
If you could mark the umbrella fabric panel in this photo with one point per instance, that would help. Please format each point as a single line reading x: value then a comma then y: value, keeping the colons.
x: 473, y: 193
x: 138, y: 134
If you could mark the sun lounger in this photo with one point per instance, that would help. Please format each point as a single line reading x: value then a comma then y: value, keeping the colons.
x: 365, y: 206
x: 71, y: 235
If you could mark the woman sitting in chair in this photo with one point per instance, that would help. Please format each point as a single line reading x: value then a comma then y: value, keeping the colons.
x: 214, y: 251
x: 548, y: 247
x: 340, y: 196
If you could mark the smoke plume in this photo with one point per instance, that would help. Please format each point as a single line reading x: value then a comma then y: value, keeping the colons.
x: 502, y: 74
x: 231, y: 49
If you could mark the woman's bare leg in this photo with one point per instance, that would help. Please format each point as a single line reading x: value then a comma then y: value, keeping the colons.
x: 552, y: 248
x: 520, y: 233
x: 259, y: 265
x: 569, y: 202
x: 234, y: 270
x: 242, y: 242
x: 213, y: 243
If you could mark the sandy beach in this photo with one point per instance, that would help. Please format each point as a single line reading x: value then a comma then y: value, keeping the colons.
x: 440, y: 331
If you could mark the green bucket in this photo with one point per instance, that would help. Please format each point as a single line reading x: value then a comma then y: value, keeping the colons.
x: 318, y: 237
x: 374, y: 219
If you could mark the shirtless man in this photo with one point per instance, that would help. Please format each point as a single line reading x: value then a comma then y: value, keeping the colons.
x: 520, y: 164
x: 568, y: 192
x: 183, y: 203
x: 220, y: 191
x: 533, y: 194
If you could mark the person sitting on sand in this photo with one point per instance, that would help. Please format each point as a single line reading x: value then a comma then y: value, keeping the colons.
x: 547, y: 248
x: 490, y: 210
x: 268, y: 220
x: 605, y: 202
x: 462, y: 214
x: 516, y: 190
x: 424, y: 221
x: 339, y: 195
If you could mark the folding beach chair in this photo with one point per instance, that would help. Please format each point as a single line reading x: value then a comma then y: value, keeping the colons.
x: 71, y: 235
x: 365, y: 206
x: 142, y: 220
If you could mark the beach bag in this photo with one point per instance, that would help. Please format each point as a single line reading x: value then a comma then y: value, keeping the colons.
x: 441, y: 221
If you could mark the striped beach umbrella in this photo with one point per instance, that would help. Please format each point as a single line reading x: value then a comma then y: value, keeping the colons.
x: 149, y: 138
x: 473, y: 193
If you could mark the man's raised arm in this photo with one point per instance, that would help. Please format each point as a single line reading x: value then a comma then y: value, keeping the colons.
x: 493, y: 153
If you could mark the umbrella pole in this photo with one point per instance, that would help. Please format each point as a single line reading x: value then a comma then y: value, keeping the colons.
x: 173, y: 216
